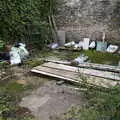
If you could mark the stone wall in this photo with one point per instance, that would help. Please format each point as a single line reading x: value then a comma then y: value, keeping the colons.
x: 89, y: 18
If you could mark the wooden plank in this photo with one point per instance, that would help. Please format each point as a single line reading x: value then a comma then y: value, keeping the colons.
x: 59, y: 66
x: 54, y: 75
x: 64, y: 73
x: 90, y: 65
x: 58, y: 61
x: 74, y: 77
x: 69, y: 48
x: 103, y: 74
x: 61, y: 77
x: 101, y: 67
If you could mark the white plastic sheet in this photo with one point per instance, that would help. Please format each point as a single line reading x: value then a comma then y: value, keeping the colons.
x: 81, y: 59
x: 112, y: 48
x: 18, y: 54
x: 70, y: 44
x: 92, y: 45
x: 14, y: 56
x: 86, y: 43
x: 22, y: 51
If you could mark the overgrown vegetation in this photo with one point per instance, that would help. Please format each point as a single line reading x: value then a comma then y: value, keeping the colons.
x: 25, y: 20
x: 9, y: 103
x: 101, y: 106
x: 99, y: 57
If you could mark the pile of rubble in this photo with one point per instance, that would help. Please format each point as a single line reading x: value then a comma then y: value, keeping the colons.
x: 85, y: 44
x: 99, y: 46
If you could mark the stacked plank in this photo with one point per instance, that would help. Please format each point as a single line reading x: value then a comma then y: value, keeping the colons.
x: 102, y: 67
x: 76, y: 74
x: 69, y: 48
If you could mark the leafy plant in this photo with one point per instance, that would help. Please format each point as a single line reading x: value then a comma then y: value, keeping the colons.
x: 20, y: 19
x: 101, y: 106
x: 7, y: 102
x: 10, y: 110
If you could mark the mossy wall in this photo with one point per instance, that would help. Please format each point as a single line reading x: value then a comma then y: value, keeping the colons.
x: 89, y: 18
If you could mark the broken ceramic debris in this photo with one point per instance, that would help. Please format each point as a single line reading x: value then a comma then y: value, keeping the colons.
x: 112, y: 48
x: 101, y: 46
x: 77, y: 46
x: 86, y: 43
x: 62, y: 36
x: 53, y: 45
x: 81, y: 59
x: 74, y: 45
x: 81, y: 44
x: 92, y: 45
x: 69, y: 44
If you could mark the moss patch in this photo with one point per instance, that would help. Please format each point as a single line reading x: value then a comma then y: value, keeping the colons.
x: 94, y: 56
x: 99, y: 57
x: 15, y: 87
x: 34, y: 62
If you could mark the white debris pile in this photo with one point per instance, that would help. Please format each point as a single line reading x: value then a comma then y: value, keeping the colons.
x: 18, y: 54
x: 14, y: 56
x: 81, y: 59
x: 85, y: 44
x: 70, y: 44
x: 92, y: 45
x: 53, y: 45
x: 112, y: 48
x: 99, y: 46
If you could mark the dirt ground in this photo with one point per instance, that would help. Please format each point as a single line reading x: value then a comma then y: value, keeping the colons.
x: 46, y: 100
x: 51, y: 101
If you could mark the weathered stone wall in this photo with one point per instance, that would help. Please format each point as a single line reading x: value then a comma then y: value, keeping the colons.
x: 89, y: 18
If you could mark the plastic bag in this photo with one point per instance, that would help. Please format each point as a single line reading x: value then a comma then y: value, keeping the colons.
x: 14, y: 56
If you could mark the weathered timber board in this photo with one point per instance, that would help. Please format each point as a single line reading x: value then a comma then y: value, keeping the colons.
x: 73, y: 76
x: 101, y: 67
x: 97, y: 73
x: 69, y: 48
x: 58, y: 61
x: 59, y: 72
x: 91, y: 65
x: 53, y: 75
